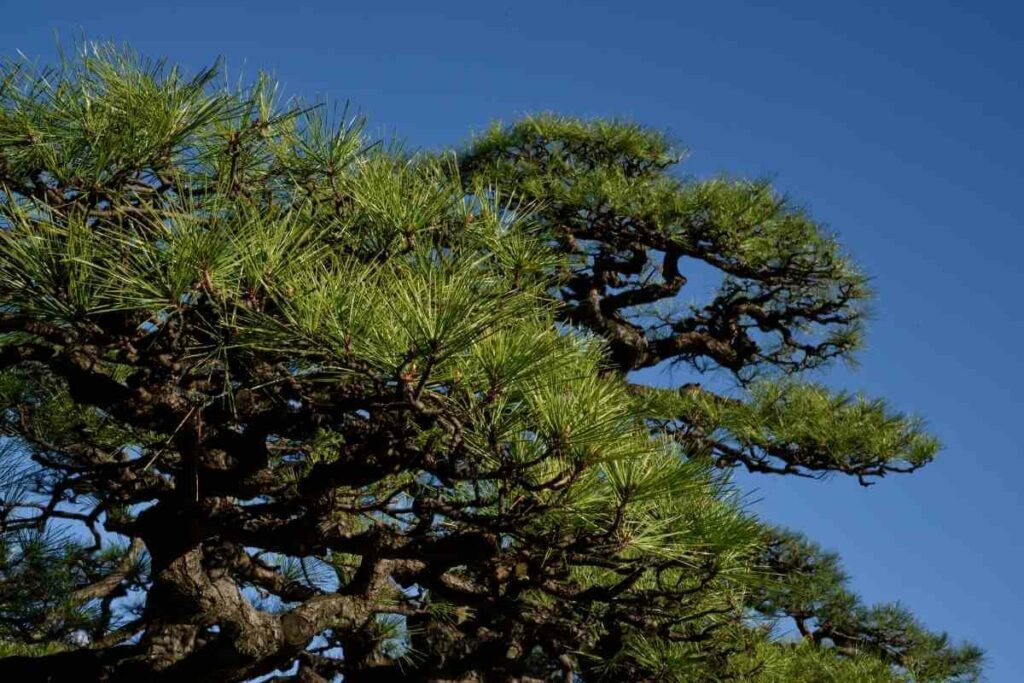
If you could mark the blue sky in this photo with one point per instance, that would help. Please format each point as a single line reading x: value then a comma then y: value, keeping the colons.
x: 898, y: 124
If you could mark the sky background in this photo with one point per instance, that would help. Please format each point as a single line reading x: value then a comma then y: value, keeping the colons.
x: 897, y: 124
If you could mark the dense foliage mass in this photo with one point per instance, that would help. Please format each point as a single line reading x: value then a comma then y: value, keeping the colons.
x: 277, y: 399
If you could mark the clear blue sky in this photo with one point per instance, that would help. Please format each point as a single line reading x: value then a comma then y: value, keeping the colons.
x: 901, y: 124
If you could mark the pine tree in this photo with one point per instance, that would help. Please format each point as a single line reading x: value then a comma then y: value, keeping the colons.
x: 788, y: 300
x: 280, y: 398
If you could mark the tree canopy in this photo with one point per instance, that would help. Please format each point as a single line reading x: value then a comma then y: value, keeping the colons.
x: 279, y: 399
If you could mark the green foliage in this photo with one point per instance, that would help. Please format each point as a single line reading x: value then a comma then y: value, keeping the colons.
x: 808, y: 585
x: 793, y: 427
x: 380, y: 402
x: 802, y: 663
x: 794, y: 299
